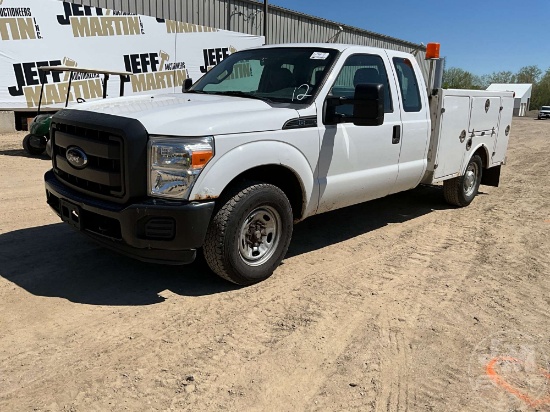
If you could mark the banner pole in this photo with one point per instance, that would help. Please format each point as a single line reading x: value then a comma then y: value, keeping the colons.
x: 265, y: 20
x: 69, y: 89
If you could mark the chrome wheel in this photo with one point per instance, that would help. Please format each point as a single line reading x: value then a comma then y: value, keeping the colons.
x: 259, y: 235
x: 470, y: 179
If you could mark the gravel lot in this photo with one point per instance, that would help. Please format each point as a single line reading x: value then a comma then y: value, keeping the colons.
x: 398, y: 304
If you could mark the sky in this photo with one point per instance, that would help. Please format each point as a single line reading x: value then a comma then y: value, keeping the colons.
x: 482, y: 36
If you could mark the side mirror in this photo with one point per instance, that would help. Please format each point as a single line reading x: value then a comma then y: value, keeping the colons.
x: 368, y: 105
x: 187, y: 83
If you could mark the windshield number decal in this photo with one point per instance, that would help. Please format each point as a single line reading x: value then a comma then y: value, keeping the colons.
x: 301, y: 96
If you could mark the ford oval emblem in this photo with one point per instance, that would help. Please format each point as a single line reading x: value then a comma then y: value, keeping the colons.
x: 76, y: 157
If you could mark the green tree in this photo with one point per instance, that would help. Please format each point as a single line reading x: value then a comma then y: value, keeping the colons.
x: 456, y: 78
x: 528, y: 74
x: 541, y: 92
x: 500, y: 77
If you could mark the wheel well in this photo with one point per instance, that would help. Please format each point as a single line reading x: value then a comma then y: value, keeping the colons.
x: 278, y: 176
x: 482, y: 152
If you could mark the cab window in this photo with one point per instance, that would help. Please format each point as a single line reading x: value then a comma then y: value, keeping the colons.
x: 361, y: 69
x: 408, y: 84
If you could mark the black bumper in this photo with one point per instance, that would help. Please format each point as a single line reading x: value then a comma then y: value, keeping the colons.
x: 154, y: 230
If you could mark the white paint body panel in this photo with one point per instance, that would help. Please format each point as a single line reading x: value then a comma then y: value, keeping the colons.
x: 356, y: 163
x: 456, y: 112
x: 415, y: 135
x: 451, y: 149
x: 195, y: 114
x: 503, y: 134
x: 235, y: 154
x: 484, y: 113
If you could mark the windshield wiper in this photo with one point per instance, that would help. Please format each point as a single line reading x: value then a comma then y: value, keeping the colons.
x: 238, y: 93
x: 195, y: 91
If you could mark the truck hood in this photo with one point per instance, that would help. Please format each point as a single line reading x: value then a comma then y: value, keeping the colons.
x: 196, y: 114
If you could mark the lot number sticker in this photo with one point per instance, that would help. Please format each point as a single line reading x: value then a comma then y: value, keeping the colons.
x: 319, y: 56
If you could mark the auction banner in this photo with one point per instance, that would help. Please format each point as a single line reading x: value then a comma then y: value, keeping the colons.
x: 161, y: 54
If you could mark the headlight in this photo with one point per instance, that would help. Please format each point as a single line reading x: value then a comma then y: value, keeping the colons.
x: 175, y: 163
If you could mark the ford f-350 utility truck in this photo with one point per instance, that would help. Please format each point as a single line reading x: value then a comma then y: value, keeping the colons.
x: 267, y: 138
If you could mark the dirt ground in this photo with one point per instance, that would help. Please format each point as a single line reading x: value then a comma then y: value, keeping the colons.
x: 400, y: 304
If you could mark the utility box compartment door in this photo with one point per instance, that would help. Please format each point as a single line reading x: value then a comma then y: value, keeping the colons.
x: 485, y: 114
x: 453, y: 136
x: 505, y: 123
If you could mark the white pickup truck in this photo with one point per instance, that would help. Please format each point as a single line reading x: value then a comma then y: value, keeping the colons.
x: 267, y: 138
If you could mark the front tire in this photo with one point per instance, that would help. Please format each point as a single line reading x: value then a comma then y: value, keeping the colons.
x: 461, y: 190
x: 249, y: 235
x: 34, y: 144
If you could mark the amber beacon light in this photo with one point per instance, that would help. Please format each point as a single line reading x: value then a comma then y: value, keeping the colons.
x: 432, y: 51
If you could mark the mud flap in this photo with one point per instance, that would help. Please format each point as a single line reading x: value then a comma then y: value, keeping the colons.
x: 491, y: 177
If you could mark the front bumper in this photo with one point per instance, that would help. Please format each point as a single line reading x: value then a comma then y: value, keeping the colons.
x: 154, y: 230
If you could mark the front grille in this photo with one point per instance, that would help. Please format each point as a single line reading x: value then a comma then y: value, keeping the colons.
x: 104, y: 172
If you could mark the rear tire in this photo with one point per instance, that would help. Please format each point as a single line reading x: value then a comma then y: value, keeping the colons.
x: 34, y: 145
x: 249, y: 235
x: 461, y: 190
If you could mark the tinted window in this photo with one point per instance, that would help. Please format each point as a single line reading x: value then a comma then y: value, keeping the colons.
x: 361, y: 69
x: 408, y: 84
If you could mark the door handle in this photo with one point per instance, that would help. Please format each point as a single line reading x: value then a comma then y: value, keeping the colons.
x: 396, y: 137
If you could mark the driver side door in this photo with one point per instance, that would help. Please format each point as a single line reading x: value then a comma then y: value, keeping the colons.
x: 359, y: 163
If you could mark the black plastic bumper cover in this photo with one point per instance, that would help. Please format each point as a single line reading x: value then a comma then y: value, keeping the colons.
x: 117, y: 227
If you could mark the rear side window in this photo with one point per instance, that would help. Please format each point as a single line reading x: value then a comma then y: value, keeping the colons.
x: 408, y: 84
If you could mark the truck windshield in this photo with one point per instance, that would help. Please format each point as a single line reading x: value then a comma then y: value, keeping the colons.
x: 545, y: 108
x: 283, y: 74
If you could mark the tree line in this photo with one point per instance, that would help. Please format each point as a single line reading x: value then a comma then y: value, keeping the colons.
x: 456, y: 78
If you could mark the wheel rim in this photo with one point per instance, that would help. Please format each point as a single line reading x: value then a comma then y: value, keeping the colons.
x: 259, y: 236
x: 470, y: 179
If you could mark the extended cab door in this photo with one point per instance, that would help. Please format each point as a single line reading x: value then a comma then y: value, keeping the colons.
x: 414, y: 107
x: 359, y: 163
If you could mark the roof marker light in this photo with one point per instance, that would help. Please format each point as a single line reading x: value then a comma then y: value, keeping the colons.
x: 432, y: 51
